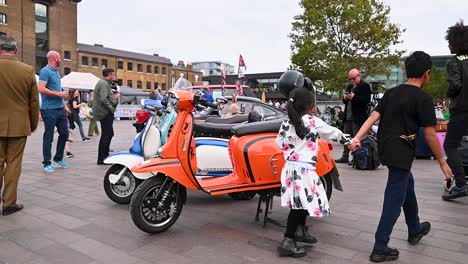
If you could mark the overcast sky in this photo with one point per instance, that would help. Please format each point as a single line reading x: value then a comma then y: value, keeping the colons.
x: 198, y: 30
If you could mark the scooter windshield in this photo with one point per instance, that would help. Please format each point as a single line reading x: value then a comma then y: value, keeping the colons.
x: 181, y: 84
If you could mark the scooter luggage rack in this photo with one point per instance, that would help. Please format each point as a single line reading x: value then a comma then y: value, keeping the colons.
x: 267, y: 197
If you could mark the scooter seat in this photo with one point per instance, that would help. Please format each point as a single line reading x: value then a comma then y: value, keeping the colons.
x: 258, y: 128
x: 213, y: 130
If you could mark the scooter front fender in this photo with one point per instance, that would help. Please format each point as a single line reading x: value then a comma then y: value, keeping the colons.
x: 128, y: 160
x: 169, y: 167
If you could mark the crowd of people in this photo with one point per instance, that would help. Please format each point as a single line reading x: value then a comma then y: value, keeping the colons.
x: 401, y: 112
x: 59, y: 110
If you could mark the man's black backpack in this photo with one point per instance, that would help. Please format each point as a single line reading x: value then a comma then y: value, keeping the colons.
x: 367, y: 157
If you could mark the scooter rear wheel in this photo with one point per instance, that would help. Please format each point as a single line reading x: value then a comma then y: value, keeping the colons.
x: 122, y: 191
x: 156, y: 216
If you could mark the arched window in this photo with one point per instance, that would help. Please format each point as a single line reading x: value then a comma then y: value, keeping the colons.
x: 3, y: 19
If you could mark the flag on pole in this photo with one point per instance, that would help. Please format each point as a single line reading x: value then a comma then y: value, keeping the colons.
x: 239, y: 89
x: 223, y: 81
x: 242, y: 62
x: 242, y: 67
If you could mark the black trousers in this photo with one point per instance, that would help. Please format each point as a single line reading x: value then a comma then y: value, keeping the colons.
x: 295, y: 219
x: 349, y: 127
x: 455, y: 131
x: 106, y: 136
x: 399, y: 193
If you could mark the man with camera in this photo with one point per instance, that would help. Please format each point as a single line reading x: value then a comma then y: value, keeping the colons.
x: 356, y: 100
x: 105, y: 101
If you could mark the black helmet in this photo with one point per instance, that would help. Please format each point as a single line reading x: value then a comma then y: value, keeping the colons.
x: 308, y: 84
x: 289, y: 81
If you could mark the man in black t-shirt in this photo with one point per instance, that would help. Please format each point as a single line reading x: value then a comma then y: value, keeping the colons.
x: 401, y: 112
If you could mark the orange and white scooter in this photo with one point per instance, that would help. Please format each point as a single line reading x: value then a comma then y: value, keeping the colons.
x: 256, y: 166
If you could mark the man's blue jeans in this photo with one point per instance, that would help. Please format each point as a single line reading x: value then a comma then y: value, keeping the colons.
x: 399, y: 193
x: 54, y: 118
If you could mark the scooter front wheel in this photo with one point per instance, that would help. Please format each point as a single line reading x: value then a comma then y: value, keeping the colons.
x: 121, y: 192
x: 157, y: 204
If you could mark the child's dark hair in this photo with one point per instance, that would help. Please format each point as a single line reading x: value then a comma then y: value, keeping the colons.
x: 417, y: 64
x: 457, y: 37
x: 300, y: 101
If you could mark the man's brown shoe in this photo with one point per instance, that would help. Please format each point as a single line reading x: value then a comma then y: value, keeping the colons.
x: 11, y: 209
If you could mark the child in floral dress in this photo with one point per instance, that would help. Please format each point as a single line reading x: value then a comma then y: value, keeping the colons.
x: 302, y: 189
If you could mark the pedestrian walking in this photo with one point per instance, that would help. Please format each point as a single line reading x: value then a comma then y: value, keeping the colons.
x: 74, y: 104
x: 54, y: 111
x: 301, y: 187
x: 457, y: 77
x: 402, y: 111
x: 356, y: 99
x: 19, y: 108
x: 93, y: 128
x: 104, y: 103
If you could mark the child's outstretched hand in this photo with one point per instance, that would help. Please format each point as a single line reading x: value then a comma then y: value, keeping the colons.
x: 355, y: 144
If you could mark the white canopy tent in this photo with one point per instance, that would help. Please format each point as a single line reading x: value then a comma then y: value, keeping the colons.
x: 80, y: 81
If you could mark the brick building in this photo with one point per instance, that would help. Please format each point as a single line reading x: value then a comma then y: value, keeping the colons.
x: 195, y: 77
x: 136, y: 70
x: 43, y: 25
x: 40, y: 26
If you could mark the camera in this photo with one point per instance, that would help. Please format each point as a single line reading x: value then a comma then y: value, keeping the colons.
x: 114, y: 86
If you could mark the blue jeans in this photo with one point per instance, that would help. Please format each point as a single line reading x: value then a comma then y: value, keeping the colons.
x: 80, y: 127
x: 399, y: 193
x: 54, y: 118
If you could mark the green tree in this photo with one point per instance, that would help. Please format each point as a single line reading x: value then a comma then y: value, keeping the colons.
x: 438, y: 85
x: 331, y: 37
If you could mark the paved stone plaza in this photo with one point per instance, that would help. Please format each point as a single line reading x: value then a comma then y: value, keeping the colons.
x: 68, y: 219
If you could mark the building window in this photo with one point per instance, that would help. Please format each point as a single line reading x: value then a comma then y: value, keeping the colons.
x: 164, y: 71
x: 156, y: 69
x: 67, y: 55
x: 130, y: 83
x: 2, y: 33
x: 94, y: 62
x: 129, y: 66
x: 148, y: 85
x: 148, y: 68
x: 119, y: 82
x: 139, y: 84
x: 42, y: 34
x: 104, y: 63
x: 3, y: 2
x: 156, y: 86
x: 66, y: 71
x: 3, y: 19
x: 164, y: 85
x: 84, y: 61
x: 120, y: 65
x: 140, y: 67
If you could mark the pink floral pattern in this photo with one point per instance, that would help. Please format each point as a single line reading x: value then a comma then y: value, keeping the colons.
x: 301, y: 186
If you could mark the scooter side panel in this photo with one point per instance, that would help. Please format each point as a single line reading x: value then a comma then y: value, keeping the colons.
x: 128, y: 160
x: 325, y: 162
x: 257, y: 158
x: 169, y: 167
